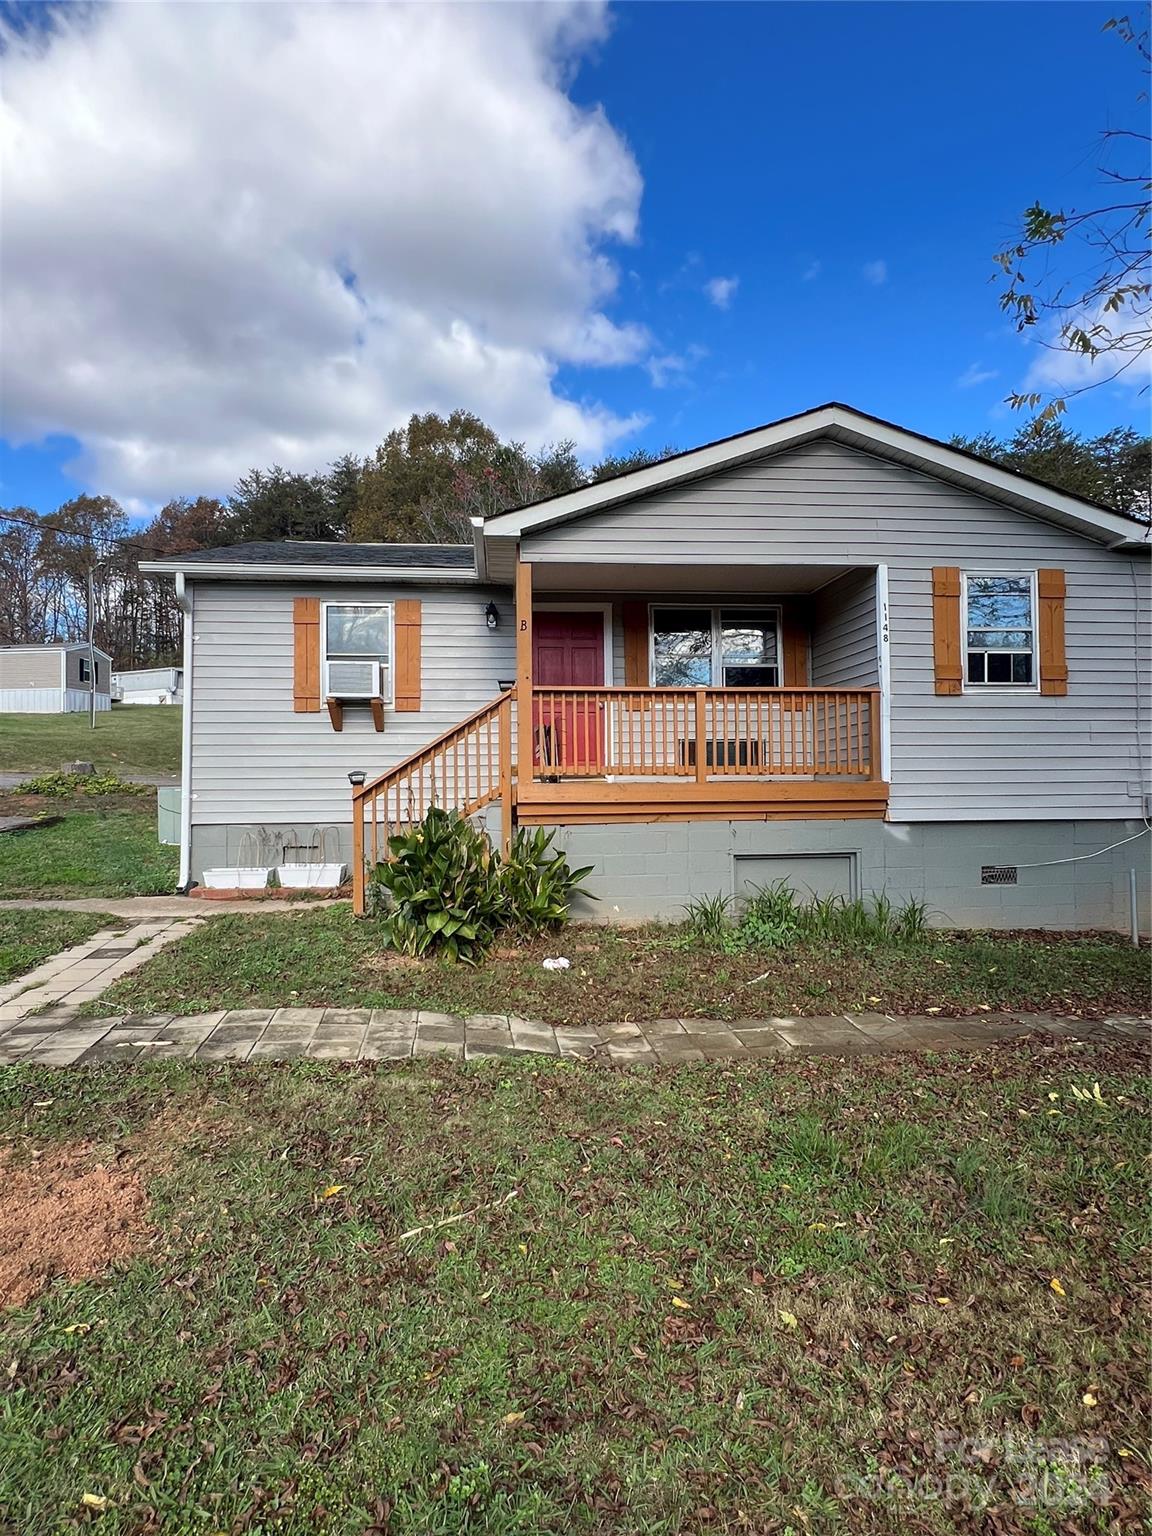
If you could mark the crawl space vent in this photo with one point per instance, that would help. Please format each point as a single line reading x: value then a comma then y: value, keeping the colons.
x: 998, y: 874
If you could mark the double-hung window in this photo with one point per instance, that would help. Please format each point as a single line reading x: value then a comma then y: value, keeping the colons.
x: 358, y: 651
x: 722, y: 647
x: 1000, y: 631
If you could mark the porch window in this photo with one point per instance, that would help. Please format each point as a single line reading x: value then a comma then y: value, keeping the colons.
x: 358, y: 650
x: 999, y: 632
x: 722, y: 647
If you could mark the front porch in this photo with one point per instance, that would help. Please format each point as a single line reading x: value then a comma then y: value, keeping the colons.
x: 784, y: 721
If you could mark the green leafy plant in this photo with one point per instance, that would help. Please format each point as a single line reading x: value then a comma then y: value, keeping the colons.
x: 774, y: 917
x: 60, y: 785
x: 537, y: 882
x: 708, y: 918
x: 446, y: 890
x: 442, y: 888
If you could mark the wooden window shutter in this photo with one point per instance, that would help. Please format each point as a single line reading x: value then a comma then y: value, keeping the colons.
x: 306, y: 655
x: 946, y: 648
x: 1050, y: 589
x: 407, y: 627
x: 635, y: 620
x: 794, y: 638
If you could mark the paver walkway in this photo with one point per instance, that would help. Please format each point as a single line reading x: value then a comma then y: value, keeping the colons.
x: 58, y: 1038
x: 81, y: 973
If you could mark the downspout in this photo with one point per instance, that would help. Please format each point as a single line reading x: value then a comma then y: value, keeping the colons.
x: 184, y: 601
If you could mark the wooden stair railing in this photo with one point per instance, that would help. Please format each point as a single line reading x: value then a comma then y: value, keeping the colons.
x: 465, y: 769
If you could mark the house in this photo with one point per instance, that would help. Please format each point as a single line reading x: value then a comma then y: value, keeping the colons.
x: 53, y: 679
x: 828, y: 651
x: 149, y: 685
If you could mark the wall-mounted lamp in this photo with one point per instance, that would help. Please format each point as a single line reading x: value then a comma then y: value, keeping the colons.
x: 492, y: 616
x: 357, y: 777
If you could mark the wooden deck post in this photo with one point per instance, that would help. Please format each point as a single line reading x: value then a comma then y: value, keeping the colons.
x: 701, y: 736
x: 874, y: 754
x: 524, y: 701
x: 358, y: 891
x: 505, y: 751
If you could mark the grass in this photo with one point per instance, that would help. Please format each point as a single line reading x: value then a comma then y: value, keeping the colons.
x: 111, y: 851
x: 27, y: 938
x: 327, y: 958
x: 132, y: 738
x: 703, y: 1300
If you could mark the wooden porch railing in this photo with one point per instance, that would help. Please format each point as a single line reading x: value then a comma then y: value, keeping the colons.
x: 706, y: 733
x: 685, y: 734
x: 466, y: 768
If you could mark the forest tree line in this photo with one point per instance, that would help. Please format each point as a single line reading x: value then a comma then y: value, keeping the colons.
x: 423, y: 484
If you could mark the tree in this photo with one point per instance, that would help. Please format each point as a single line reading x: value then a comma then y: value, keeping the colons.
x: 1101, y: 314
x: 624, y: 463
x: 425, y: 479
x: 1114, y: 468
x: 278, y: 504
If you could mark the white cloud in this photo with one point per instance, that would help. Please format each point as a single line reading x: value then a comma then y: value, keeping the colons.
x: 239, y: 234
x: 812, y: 271
x: 875, y: 272
x: 721, y: 290
x: 974, y: 374
x: 1056, y: 369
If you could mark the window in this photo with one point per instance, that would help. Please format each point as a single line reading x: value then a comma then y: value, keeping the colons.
x: 716, y: 647
x: 358, y: 650
x: 85, y: 671
x: 999, y: 632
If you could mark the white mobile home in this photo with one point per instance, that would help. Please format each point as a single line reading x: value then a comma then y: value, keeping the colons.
x: 149, y: 685
x: 53, y: 679
x: 828, y: 651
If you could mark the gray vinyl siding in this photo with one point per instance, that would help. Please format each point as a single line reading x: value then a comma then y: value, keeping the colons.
x: 973, y: 757
x: 255, y: 761
x: 30, y: 669
x: 844, y: 641
x: 103, y: 671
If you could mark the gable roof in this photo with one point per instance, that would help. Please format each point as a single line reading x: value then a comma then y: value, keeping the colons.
x: 855, y: 429
x: 272, y: 559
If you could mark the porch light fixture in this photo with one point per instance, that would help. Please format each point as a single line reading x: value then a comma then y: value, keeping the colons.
x: 492, y: 616
x: 357, y: 777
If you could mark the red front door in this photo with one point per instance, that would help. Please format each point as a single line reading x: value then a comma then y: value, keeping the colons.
x: 568, y: 653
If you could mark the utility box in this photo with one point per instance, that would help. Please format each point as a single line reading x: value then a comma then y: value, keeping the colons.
x: 168, y: 815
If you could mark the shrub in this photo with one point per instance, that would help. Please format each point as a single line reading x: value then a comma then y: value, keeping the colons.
x: 443, y: 882
x: 538, y: 887
x: 774, y: 917
x: 447, y: 890
x: 60, y: 785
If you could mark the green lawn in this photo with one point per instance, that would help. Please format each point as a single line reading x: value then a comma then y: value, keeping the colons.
x: 684, y: 1301
x: 326, y: 957
x: 27, y: 938
x: 106, y: 852
x: 134, y: 738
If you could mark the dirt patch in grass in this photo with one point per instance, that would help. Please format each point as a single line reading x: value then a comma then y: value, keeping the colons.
x: 65, y: 1215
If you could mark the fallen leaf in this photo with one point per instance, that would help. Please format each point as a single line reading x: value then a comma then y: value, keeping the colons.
x: 1089, y: 1399
x: 678, y: 1301
x: 333, y: 1189
x: 789, y: 1319
x: 1057, y: 1287
x: 78, y: 1328
x: 943, y: 1301
x: 512, y: 1418
x: 96, y: 1501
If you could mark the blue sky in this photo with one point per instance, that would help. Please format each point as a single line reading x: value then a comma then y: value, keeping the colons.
x: 823, y: 188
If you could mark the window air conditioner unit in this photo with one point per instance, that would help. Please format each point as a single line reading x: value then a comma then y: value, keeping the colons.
x: 354, y: 679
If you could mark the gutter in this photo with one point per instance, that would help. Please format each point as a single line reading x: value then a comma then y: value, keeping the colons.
x: 185, y: 602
